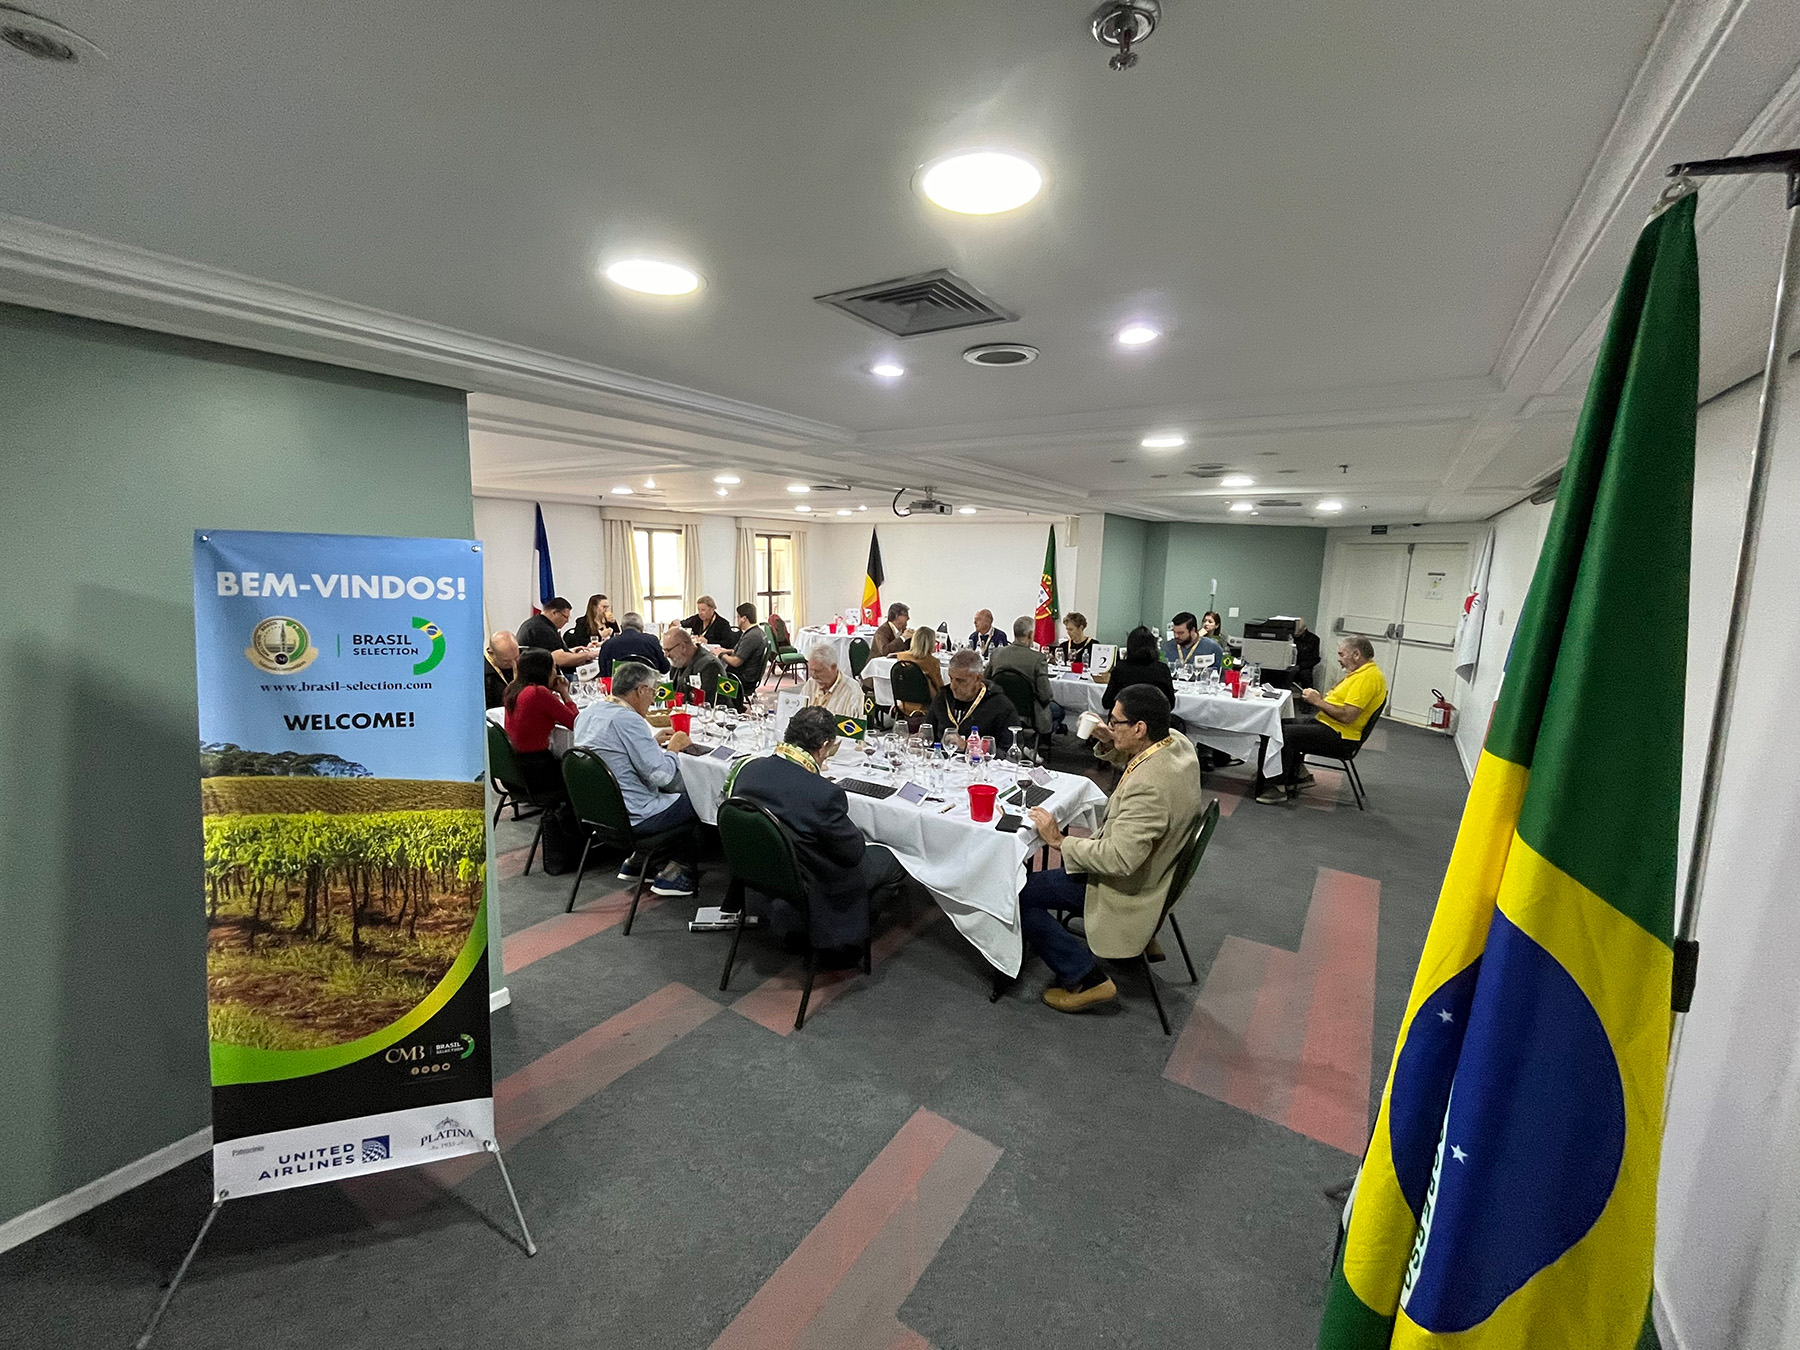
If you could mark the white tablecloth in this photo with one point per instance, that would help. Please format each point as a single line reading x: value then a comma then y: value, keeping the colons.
x: 974, y: 871
x: 881, y: 670
x: 1233, y: 725
x: 808, y: 638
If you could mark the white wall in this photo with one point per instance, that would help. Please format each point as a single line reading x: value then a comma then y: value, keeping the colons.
x: 943, y: 569
x: 1728, y: 1246
x: 505, y: 528
x: 1518, y: 536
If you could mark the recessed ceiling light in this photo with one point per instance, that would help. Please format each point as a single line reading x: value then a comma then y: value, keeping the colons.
x: 1137, y: 334
x: 981, y: 182
x: 650, y: 484
x: 652, y: 276
x: 888, y: 370
x: 1241, y: 507
x: 1237, y: 480
x: 965, y: 510
x: 1330, y: 506
x: 724, y: 492
x: 798, y: 487
x: 730, y: 479
x: 1170, y: 441
x: 862, y: 508
x: 621, y: 492
x: 803, y: 507
x: 845, y: 511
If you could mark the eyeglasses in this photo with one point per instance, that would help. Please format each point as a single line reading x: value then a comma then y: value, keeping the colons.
x: 1120, y: 722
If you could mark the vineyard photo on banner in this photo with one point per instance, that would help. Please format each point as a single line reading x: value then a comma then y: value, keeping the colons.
x: 342, y: 761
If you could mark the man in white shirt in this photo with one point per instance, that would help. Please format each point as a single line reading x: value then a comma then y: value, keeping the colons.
x: 827, y: 686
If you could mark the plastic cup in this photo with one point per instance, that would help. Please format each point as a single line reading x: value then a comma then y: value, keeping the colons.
x: 696, y: 697
x: 681, y: 721
x: 606, y: 684
x: 981, y: 802
x: 1076, y: 667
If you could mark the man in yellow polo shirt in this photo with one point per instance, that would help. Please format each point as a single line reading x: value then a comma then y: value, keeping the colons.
x: 1339, y: 720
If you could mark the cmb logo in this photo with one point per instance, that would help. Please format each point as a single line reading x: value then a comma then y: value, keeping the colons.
x: 280, y: 645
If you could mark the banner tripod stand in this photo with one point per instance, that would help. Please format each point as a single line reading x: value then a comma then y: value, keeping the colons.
x: 143, y: 1342
x: 1687, y: 947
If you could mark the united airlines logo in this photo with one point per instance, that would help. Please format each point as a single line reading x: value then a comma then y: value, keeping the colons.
x: 376, y: 1149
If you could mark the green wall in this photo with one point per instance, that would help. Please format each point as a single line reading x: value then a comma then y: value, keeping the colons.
x: 116, y: 445
x: 1150, y: 572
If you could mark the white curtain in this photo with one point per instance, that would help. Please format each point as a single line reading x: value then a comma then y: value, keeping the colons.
x: 799, y: 616
x: 746, y: 567
x: 690, y: 569
x: 624, y: 581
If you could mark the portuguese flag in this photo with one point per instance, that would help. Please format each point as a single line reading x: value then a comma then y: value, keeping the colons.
x: 872, y: 579
x: 1508, y: 1196
x: 1047, y: 613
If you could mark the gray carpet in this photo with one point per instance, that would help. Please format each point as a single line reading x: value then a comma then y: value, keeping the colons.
x: 1124, y: 1209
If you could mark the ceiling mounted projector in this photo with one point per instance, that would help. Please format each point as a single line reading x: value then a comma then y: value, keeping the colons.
x: 928, y: 505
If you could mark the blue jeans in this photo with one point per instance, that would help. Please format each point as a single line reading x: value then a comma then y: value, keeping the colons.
x: 685, y: 854
x: 1064, y: 952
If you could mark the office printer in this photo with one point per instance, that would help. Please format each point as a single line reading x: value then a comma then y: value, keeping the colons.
x: 1269, y: 643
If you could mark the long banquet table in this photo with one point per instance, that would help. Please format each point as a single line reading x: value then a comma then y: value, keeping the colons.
x: 808, y: 638
x: 881, y: 671
x: 1241, y: 727
x: 973, y: 871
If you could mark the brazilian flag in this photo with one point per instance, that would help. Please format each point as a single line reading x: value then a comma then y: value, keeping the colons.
x: 1508, y: 1196
x: 854, y: 728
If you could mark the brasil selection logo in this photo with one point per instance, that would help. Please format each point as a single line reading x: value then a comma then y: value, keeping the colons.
x: 436, y: 636
x: 281, y: 645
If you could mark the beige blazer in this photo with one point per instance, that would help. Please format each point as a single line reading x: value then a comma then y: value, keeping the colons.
x: 1149, y: 819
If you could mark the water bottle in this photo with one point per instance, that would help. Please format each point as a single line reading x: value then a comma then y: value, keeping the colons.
x: 934, y: 769
x: 974, y: 744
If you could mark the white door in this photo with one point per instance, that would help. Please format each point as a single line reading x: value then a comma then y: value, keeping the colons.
x: 1372, y: 598
x: 1436, y: 584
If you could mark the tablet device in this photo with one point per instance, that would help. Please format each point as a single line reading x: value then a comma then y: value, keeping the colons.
x: 911, y: 792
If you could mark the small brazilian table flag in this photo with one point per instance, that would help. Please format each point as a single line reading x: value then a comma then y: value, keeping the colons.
x: 1508, y: 1196
x: 1044, y: 633
x: 872, y: 579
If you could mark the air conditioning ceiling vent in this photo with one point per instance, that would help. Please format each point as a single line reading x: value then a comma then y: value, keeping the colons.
x: 931, y: 302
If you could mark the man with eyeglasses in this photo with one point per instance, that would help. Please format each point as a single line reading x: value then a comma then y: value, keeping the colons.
x: 1118, y: 879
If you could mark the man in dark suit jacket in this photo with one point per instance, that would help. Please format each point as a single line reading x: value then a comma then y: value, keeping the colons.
x: 632, y: 644
x: 849, y: 878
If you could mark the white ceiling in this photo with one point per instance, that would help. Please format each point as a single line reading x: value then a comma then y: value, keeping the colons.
x: 1380, y: 236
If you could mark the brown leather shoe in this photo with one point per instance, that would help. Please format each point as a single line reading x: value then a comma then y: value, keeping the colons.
x: 1073, y: 1001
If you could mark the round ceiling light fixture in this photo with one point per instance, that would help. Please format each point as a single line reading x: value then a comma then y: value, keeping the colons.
x: 1329, y: 507
x: 798, y: 488
x: 44, y: 39
x: 1241, y: 507
x: 965, y: 510
x: 981, y: 182
x: 845, y: 511
x: 621, y: 492
x: 1167, y: 441
x: 1237, y: 480
x: 729, y: 479
x: 1137, y: 334
x: 724, y: 492
x: 803, y: 507
x: 652, y: 276
x: 887, y: 370
x: 1001, y: 354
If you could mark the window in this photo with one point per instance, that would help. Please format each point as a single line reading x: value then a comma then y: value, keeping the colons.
x: 659, y: 556
x: 774, y: 575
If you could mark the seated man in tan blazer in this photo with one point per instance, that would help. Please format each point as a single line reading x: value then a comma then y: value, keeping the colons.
x: 1150, y: 818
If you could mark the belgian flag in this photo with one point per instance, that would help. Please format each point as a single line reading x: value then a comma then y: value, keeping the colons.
x: 872, y: 579
x: 1508, y: 1197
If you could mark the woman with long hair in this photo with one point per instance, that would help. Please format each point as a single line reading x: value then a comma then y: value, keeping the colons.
x: 1139, y: 663
x: 596, y: 625
x: 921, y: 651
x: 1211, y: 625
x: 536, y: 701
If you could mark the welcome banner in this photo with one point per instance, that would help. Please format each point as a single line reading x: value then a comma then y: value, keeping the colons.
x: 342, y: 755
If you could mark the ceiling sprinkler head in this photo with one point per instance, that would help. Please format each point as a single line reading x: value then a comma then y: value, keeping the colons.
x: 1124, y: 25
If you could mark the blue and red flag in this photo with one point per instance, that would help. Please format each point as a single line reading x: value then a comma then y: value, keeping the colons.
x: 540, y: 548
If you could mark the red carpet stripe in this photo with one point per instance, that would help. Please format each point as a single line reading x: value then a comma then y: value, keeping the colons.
x: 512, y: 862
x: 549, y: 1086
x: 565, y: 930
x: 844, y: 1284
x: 1288, y: 1035
x: 772, y: 1003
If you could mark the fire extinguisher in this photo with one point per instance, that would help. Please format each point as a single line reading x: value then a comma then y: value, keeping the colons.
x: 1438, y: 719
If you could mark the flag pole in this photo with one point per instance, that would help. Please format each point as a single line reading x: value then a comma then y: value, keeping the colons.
x: 1787, y: 162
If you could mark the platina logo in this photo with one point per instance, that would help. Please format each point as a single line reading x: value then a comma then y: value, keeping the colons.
x: 436, y: 637
x: 280, y: 646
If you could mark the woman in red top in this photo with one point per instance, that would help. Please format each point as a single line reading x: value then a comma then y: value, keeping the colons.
x: 537, y: 700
